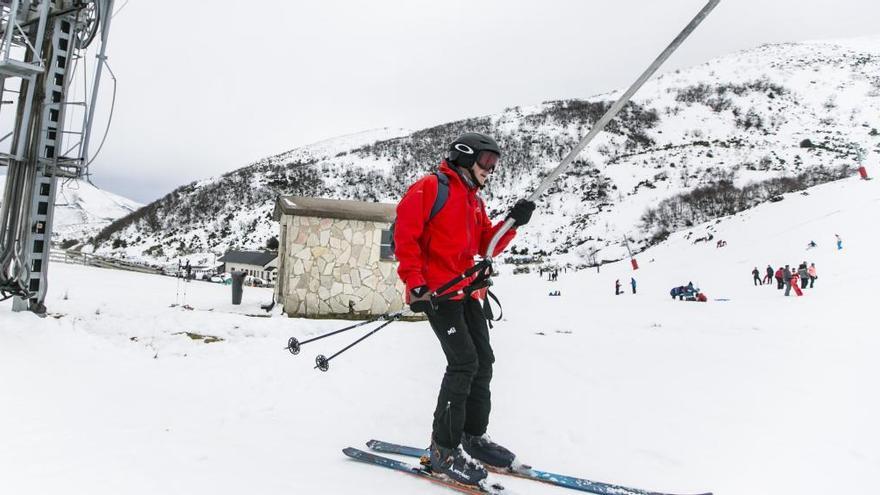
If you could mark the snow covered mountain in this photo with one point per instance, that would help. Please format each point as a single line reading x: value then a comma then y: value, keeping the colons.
x: 805, y: 110
x: 82, y: 210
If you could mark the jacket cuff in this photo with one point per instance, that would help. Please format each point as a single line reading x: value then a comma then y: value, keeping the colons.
x: 414, y: 281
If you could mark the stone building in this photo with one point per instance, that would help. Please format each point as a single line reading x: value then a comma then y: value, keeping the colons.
x: 335, y: 258
x: 259, y: 264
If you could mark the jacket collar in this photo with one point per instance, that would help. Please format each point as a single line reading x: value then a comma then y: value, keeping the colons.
x: 454, y: 173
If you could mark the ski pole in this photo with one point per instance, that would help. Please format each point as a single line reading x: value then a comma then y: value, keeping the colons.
x: 293, y: 345
x: 323, y: 363
x: 605, y: 119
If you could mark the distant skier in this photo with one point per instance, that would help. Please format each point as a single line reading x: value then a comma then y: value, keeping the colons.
x: 780, y: 277
x: 632, y: 282
x: 460, y: 231
x: 811, y: 271
x: 839, y: 242
x: 617, y: 287
x: 756, y: 277
x: 804, y: 275
x: 786, y: 275
x: 795, y: 278
x: 768, y: 277
x: 811, y: 245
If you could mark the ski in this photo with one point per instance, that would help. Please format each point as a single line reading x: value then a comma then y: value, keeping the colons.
x: 423, y: 473
x: 527, y: 472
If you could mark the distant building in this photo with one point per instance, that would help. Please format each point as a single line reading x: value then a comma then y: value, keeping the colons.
x: 335, y: 258
x: 259, y: 264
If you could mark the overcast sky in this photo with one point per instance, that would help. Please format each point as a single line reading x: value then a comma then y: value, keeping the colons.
x: 208, y: 87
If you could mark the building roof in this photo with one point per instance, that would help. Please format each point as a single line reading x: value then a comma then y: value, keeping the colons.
x: 259, y: 258
x: 342, y: 209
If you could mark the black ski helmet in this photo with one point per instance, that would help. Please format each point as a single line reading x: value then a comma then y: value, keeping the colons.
x: 464, y: 150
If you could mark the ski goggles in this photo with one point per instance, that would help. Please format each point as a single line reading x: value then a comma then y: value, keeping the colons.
x: 487, y: 160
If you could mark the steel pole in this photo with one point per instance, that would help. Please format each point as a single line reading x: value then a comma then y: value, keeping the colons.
x: 106, y: 16
x: 609, y: 115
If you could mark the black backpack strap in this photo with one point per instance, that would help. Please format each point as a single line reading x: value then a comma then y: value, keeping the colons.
x: 442, y: 193
x: 487, y: 308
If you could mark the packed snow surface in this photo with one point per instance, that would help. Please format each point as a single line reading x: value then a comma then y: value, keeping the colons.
x: 750, y: 393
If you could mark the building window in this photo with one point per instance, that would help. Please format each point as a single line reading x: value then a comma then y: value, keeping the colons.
x: 385, y: 251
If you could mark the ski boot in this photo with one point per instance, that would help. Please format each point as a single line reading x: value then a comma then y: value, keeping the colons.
x: 483, y: 449
x: 456, y: 465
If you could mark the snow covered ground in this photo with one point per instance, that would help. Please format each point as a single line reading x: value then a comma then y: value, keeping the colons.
x: 757, y: 394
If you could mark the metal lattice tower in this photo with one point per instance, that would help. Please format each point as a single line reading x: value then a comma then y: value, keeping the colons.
x: 41, y: 42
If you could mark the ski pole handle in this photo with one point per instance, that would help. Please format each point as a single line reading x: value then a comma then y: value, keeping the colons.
x: 440, y: 291
x: 609, y: 115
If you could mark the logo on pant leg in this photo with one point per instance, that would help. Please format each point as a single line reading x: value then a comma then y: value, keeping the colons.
x: 450, y: 331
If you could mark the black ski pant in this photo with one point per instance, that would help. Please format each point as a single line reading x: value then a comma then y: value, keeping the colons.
x: 804, y: 282
x: 464, y: 401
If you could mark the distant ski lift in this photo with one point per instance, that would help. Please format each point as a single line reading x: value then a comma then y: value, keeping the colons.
x: 87, y: 28
x: 632, y: 260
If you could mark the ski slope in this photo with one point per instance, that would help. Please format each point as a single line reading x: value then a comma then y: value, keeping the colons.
x: 82, y: 209
x: 758, y: 394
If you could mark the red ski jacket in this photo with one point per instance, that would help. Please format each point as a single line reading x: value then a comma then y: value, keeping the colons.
x: 434, y: 252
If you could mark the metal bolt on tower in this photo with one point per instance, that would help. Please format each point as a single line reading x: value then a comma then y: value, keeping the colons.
x: 41, y: 42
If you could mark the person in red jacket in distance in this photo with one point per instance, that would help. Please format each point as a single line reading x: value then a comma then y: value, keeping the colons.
x: 433, y: 250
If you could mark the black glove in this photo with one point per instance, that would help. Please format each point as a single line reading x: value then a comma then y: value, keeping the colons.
x: 420, y: 300
x: 521, y: 212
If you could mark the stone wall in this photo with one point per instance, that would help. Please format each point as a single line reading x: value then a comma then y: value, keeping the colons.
x: 330, y: 263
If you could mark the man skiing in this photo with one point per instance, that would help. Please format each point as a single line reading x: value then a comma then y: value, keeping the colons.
x: 786, y: 275
x: 803, y: 275
x: 756, y: 276
x: 433, y: 248
x: 768, y: 278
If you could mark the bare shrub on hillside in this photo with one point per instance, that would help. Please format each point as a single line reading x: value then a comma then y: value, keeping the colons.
x: 721, y: 198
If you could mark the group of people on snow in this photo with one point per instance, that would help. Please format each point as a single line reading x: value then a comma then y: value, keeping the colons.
x: 837, y: 241
x: 688, y: 293
x: 632, y: 283
x: 802, y: 277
